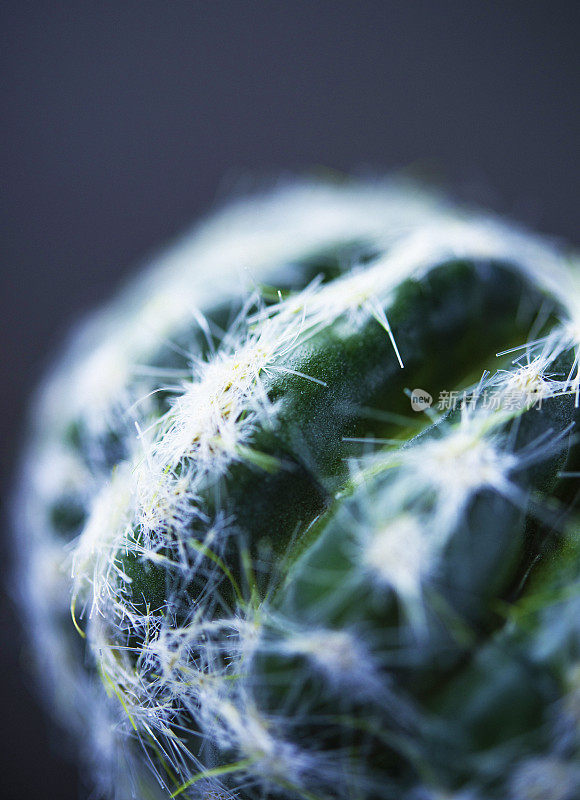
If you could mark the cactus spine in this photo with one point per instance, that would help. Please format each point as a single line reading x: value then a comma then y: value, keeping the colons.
x: 252, y: 570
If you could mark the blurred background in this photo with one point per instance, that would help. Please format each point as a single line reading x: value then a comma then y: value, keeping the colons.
x: 124, y: 121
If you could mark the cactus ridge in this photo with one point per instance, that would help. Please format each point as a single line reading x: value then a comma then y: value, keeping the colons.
x: 255, y: 571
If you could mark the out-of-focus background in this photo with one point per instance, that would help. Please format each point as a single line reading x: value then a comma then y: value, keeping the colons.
x: 122, y: 121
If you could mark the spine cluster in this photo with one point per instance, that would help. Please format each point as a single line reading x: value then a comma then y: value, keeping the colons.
x: 252, y: 569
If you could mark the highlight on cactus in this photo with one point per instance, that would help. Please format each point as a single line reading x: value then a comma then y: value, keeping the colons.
x: 298, y: 513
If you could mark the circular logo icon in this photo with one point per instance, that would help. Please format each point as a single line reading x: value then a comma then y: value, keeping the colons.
x: 420, y: 400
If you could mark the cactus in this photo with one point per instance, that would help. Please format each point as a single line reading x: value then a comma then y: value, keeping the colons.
x: 297, y: 517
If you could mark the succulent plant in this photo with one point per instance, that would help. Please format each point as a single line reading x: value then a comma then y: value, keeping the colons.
x: 297, y: 517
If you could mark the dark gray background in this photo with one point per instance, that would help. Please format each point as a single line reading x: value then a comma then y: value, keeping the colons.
x: 122, y: 121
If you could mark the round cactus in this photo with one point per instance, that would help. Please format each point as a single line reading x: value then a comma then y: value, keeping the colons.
x: 298, y: 516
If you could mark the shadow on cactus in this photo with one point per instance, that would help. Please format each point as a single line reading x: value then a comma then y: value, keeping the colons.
x: 255, y: 565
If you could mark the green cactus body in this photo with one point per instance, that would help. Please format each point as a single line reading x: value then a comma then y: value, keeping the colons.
x: 286, y: 581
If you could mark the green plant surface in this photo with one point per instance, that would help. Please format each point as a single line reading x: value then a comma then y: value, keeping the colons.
x: 253, y: 568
